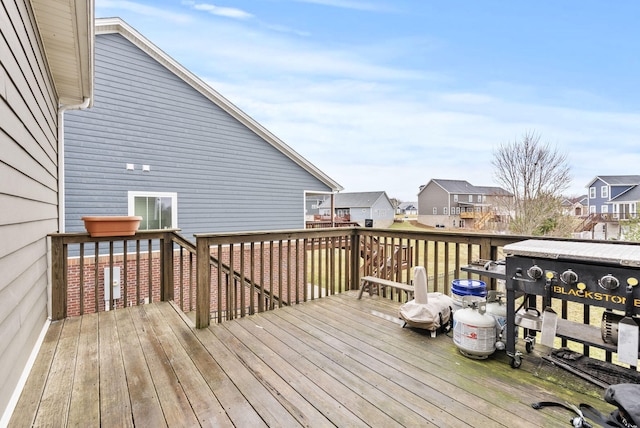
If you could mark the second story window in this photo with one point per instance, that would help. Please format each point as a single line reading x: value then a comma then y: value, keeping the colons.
x: 604, y: 192
x: 455, y: 198
x: 470, y: 198
x: 592, y: 192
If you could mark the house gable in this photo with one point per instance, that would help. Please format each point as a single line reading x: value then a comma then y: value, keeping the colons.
x: 118, y: 26
x: 226, y: 176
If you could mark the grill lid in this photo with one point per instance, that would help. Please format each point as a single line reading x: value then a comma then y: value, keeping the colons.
x: 623, y: 254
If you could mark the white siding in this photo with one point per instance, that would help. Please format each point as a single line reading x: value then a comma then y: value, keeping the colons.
x: 28, y: 189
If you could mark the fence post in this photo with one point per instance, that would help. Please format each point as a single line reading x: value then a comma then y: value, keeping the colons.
x: 58, y: 279
x: 203, y: 283
x: 166, y: 285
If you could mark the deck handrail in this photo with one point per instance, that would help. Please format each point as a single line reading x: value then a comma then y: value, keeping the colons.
x: 240, y: 273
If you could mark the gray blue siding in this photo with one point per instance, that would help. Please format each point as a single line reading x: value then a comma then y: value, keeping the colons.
x: 226, y: 176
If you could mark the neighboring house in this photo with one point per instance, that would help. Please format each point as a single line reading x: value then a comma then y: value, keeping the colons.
x: 614, y: 196
x: 576, y: 206
x: 407, y: 208
x: 47, y: 68
x: 160, y: 143
x: 611, y: 198
x: 459, y: 204
x: 373, y: 209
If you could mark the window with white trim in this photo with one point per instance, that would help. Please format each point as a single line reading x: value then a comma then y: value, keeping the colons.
x: 592, y: 209
x: 455, y: 198
x: 470, y: 198
x: 604, y: 209
x: 435, y: 210
x: 445, y: 210
x: 159, y: 210
x: 592, y: 192
x: 604, y: 192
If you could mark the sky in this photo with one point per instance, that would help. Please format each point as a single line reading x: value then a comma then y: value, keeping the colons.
x: 389, y: 94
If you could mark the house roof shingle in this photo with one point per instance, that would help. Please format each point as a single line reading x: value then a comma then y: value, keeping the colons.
x: 617, y: 180
x: 354, y: 199
x: 464, y: 187
x: 631, y: 195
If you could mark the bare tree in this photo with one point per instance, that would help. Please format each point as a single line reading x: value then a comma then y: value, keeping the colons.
x: 395, y: 202
x: 536, y: 174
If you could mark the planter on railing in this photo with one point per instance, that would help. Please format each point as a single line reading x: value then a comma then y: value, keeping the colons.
x: 112, y: 225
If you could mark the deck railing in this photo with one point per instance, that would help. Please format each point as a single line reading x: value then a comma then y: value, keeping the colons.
x: 275, y: 269
x: 229, y: 275
x: 148, y: 266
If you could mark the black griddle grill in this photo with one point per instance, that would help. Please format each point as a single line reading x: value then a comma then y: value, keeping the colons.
x: 593, y: 274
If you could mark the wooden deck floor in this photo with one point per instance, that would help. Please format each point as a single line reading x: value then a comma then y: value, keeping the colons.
x: 337, y: 361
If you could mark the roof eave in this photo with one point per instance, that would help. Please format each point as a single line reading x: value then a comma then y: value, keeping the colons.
x: 66, y: 30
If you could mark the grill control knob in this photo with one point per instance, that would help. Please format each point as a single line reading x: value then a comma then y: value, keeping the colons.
x: 569, y: 277
x: 609, y: 282
x: 535, y: 272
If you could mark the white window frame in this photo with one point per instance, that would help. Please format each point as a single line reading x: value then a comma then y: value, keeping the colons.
x: 604, y: 209
x: 435, y: 210
x: 132, y: 194
x: 455, y: 198
x: 445, y: 210
x: 592, y: 192
x: 592, y: 209
x: 604, y: 192
x: 470, y: 198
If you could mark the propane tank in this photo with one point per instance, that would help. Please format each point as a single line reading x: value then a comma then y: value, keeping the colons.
x: 497, y: 308
x: 474, y: 331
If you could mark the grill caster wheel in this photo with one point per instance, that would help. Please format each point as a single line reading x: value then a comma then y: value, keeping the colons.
x: 516, y: 359
x: 530, y: 343
x: 516, y: 362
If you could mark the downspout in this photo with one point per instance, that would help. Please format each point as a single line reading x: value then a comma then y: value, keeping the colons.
x: 61, y: 188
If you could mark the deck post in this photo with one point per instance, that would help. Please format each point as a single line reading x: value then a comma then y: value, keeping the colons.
x: 58, y: 278
x: 355, y: 260
x: 203, y: 283
x: 166, y: 285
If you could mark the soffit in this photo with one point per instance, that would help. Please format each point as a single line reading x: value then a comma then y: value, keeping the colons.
x: 66, y: 30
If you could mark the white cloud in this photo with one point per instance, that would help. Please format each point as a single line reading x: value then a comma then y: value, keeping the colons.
x: 102, y: 6
x: 374, y: 126
x: 381, y: 143
x: 351, y: 4
x: 227, y: 12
